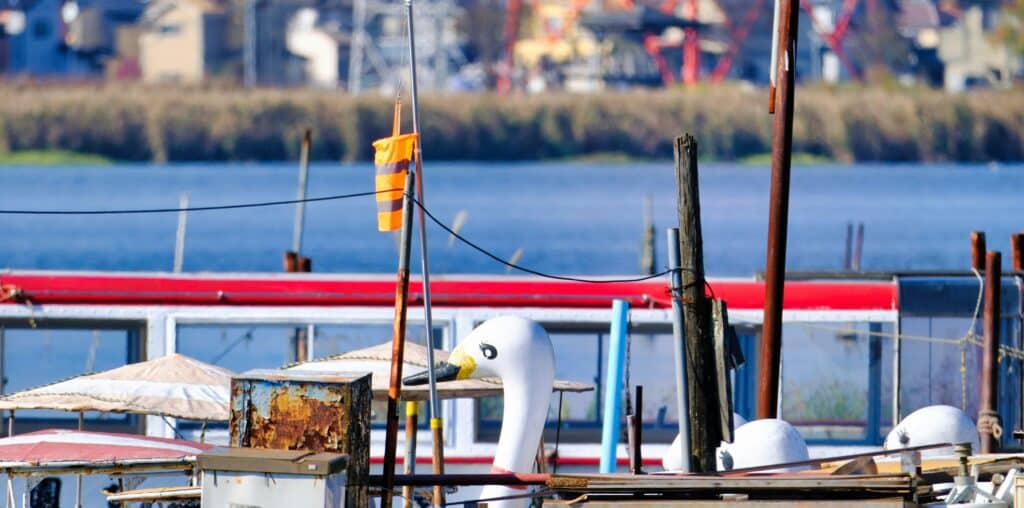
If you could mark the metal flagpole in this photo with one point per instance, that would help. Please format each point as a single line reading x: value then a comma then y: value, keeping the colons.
x: 436, y: 420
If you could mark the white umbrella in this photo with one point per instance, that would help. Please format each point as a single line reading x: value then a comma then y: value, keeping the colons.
x: 175, y: 386
x: 377, y: 360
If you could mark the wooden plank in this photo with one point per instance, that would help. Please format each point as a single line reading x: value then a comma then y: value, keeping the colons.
x: 892, y: 502
x: 705, y: 430
x: 616, y: 483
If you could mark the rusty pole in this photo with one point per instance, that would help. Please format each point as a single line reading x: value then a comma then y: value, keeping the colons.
x: 778, y: 214
x: 988, y: 414
x: 1017, y: 252
x: 398, y: 343
x: 978, y: 250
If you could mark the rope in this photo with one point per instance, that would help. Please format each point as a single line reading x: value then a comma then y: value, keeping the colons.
x: 989, y: 422
x: 967, y: 338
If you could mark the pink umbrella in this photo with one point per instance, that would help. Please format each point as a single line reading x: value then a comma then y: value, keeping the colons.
x: 58, y: 447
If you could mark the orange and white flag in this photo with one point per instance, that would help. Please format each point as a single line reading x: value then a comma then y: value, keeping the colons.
x: 392, y: 156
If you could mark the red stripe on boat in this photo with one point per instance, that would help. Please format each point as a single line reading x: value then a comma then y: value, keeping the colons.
x: 78, y: 288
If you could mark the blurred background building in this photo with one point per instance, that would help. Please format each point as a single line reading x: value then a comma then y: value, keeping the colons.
x: 505, y: 45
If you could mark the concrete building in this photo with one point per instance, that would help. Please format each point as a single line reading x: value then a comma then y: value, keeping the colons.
x: 181, y: 41
x: 971, y: 58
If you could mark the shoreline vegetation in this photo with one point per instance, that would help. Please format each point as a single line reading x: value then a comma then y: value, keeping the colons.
x: 52, y: 125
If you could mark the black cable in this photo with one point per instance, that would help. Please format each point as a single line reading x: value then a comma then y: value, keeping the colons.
x: 523, y: 268
x: 191, y: 209
x: 426, y: 212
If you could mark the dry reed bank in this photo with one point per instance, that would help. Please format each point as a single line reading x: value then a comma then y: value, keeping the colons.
x: 730, y: 122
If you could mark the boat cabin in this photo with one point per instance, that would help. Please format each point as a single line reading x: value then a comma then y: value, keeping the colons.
x: 855, y: 351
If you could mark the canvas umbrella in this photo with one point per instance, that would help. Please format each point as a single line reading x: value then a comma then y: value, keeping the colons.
x: 175, y: 386
x: 54, y: 450
x: 377, y: 361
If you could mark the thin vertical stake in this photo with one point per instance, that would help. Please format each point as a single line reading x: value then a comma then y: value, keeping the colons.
x: 179, y: 238
x: 300, y: 206
x: 436, y: 420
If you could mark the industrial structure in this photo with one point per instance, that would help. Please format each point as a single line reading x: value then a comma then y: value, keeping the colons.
x: 507, y: 45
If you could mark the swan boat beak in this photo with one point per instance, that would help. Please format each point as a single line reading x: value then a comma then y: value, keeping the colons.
x: 459, y: 366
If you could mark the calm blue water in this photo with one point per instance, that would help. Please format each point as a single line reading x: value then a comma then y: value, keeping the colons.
x: 582, y: 218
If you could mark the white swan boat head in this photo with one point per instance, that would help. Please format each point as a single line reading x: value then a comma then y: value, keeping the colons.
x: 519, y: 352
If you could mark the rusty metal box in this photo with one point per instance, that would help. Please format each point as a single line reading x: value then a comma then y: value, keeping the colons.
x: 300, y: 410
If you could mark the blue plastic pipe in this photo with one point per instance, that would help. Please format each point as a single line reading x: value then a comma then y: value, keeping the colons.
x: 613, y: 385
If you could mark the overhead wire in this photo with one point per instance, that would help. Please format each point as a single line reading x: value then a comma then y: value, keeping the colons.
x: 130, y: 211
x: 431, y: 216
x: 521, y: 268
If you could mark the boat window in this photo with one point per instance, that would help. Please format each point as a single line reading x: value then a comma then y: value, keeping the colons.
x: 846, y: 397
x: 936, y: 368
x: 238, y: 347
x: 241, y: 347
x: 40, y: 353
x: 335, y: 339
x: 581, y: 356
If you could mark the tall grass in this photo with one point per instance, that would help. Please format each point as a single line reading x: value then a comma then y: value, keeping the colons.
x: 729, y: 122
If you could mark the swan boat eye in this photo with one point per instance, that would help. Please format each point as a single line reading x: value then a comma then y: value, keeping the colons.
x: 488, y: 350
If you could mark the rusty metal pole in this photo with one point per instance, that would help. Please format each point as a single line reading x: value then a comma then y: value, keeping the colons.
x: 1017, y: 252
x: 778, y: 213
x: 398, y: 343
x: 978, y: 250
x: 988, y: 413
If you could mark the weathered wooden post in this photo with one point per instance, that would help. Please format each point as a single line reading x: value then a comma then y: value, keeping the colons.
x: 705, y: 431
x: 978, y: 250
x: 988, y: 413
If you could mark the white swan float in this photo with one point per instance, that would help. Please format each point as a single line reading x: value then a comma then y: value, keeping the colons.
x: 519, y: 352
x: 673, y: 458
x: 763, y: 443
x: 934, y: 425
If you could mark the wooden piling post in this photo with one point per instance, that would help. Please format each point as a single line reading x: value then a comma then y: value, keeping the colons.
x: 788, y: 16
x: 848, y: 253
x: 988, y: 413
x: 1017, y: 252
x: 978, y: 250
x: 637, y: 425
x: 858, y: 247
x: 705, y: 433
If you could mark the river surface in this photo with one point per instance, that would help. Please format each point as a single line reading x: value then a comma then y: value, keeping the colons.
x: 567, y: 217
